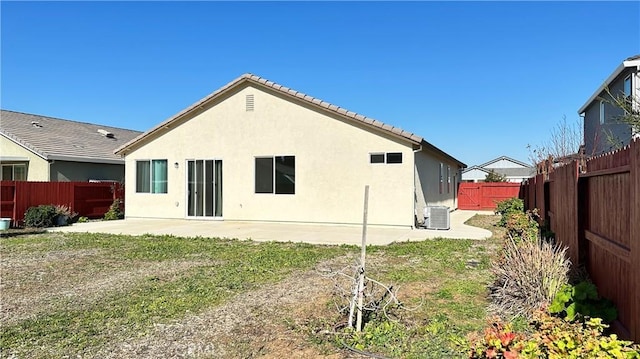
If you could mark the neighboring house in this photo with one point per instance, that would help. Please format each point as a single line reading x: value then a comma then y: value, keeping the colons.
x: 513, y: 170
x: 256, y: 150
x: 602, y: 131
x: 40, y: 148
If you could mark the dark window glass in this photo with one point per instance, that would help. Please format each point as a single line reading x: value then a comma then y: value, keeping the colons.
x: 143, y: 175
x: 394, y: 157
x: 285, y: 174
x: 264, y: 175
x: 377, y: 158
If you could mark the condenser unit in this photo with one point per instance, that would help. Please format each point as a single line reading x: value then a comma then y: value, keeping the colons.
x: 437, y: 217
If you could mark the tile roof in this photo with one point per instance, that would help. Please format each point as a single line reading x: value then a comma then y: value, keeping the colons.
x: 260, y: 81
x: 54, y: 138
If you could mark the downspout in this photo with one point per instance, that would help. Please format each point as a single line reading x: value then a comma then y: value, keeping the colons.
x: 415, y: 193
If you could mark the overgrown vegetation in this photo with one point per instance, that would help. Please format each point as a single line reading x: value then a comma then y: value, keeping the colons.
x: 565, y: 321
x: 551, y: 337
x: 40, y: 216
x: 580, y: 301
x: 114, y: 212
x: 507, y: 207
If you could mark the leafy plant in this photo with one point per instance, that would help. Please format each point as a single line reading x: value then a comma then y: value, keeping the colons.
x: 83, y: 219
x: 523, y: 226
x: 551, y: 337
x: 40, y: 216
x: 528, y: 275
x: 114, y: 211
x: 64, y: 214
x: 507, y: 207
x: 580, y: 301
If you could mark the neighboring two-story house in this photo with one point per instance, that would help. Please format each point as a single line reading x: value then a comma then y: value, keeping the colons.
x: 603, y: 130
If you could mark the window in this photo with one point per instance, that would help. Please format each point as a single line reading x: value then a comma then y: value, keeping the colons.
x: 394, y: 157
x: 448, y: 179
x: 276, y: 175
x: 377, y: 158
x: 151, y: 176
x: 441, y: 177
x: 389, y: 157
x: 14, y: 172
x: 627, y: 86
x: 602, y: 112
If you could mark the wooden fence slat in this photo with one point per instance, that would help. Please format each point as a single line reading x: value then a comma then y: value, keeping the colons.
x: 87, y: 199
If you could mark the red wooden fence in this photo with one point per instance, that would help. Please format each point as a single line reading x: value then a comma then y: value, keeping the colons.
x: 87, y: 199
x: 483, y: 196
x: 596, y: 214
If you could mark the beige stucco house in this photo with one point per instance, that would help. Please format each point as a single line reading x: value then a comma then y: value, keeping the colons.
x: 41, y: 148
x: 258, y: 151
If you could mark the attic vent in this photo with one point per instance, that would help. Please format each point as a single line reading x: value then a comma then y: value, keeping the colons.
x: 36, y: 124
x: 249, y: 103
x: 106, y: 133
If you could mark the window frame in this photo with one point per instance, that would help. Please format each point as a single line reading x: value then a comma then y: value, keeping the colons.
x: 13, y: 171
x: 385, y: 158
x: 274, y: 175
x: 602, y: 112
x: 152, y: 183
x: 441, y: 177
x: 627, y: 80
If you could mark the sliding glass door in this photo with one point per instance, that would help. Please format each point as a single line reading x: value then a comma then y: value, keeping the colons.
x: 204, y: 188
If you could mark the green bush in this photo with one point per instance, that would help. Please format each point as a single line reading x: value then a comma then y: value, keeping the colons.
x: 575, y: 302
x: 114, y: 211
x: 551, y: 337
x: 508, y: 206
x: 523, y: 226
x: 83, y: 219
x: 528, y: 275
x: 40, y: 216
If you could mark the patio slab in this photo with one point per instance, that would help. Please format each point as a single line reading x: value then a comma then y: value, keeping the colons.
x: 283, y: 232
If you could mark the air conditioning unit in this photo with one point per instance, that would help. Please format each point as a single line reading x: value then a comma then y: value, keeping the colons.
x: 437, y: 217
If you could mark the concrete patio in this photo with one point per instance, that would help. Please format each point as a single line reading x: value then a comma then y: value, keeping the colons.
x: 282, y: 232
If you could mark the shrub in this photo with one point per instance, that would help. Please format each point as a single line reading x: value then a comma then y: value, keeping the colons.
x: 523, y: 226
x: 528, y: 275
x: 495, y: 177
x: 83, y: 219
x: 40, y: 216
x: 580, y: 301
x: 551, y: 338
x: 114, y: 211
x: 508, y: 206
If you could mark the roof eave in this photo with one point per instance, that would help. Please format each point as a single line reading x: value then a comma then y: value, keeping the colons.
x: 433, y: 148
x: 114, y: 161
x: 624, y: 65
x: 26, y: 146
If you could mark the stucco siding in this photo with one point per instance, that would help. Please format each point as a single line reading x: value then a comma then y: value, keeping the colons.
x: 331, y: 164
x: 474, y: 175
x: 427, y: 182
x: 37, y: 167
x: 84, y: 171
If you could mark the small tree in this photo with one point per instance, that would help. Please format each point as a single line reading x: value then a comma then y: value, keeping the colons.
x: 629, y: 109
x: 495, y: 177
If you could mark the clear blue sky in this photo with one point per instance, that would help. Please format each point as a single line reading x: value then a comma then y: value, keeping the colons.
x: 477, y: 79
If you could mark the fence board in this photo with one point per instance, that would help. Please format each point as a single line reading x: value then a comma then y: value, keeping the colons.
x: 597, y: 215
x: 87, y: 199
x: 485, y: 195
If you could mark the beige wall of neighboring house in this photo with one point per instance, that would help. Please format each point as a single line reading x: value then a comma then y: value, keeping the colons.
x: 37, y: 167
x: 332, y: 164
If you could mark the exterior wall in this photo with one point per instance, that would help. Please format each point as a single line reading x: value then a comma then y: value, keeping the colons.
x: 605, y: 137
x: 474, y: 175
x: 37, y: 167
x: 503, y: 164
x: 84, y: 171
x: 427, y: 182
x: 331, y: 164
